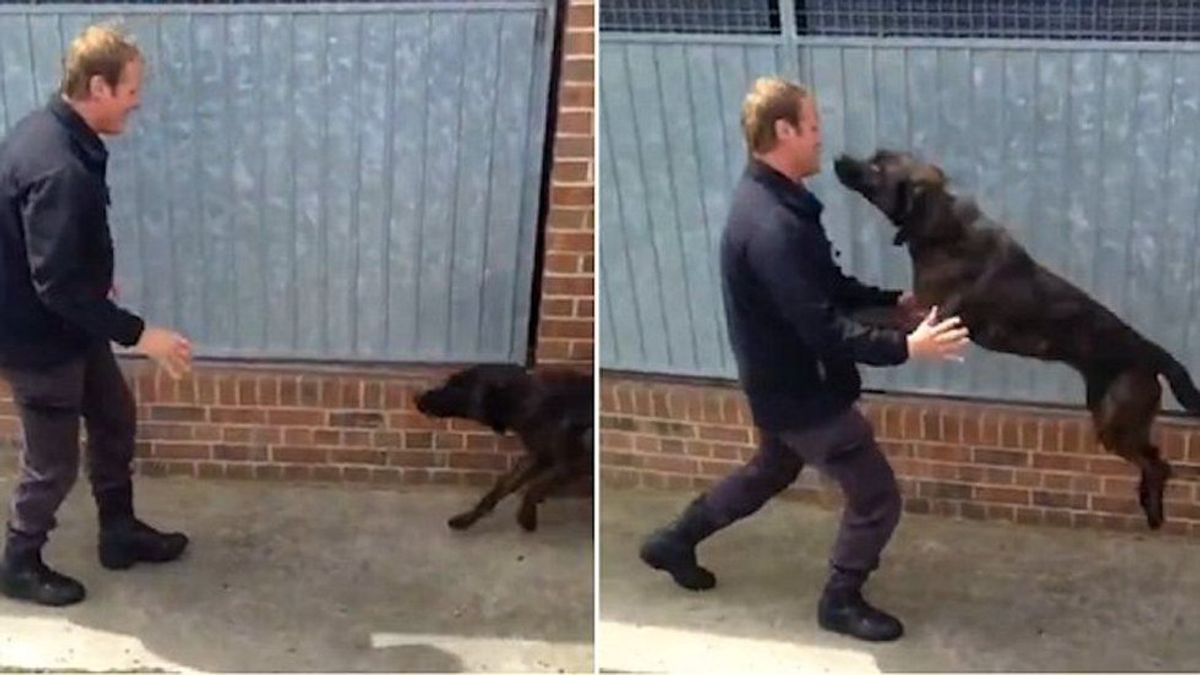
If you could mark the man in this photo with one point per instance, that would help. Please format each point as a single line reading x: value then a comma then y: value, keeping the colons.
x: 57, y: 321
x: 787, y: 305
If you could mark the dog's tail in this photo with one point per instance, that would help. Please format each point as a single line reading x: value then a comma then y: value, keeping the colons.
x: 1181, y: 382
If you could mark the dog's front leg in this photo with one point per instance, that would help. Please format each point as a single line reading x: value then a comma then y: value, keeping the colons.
x: 558, y: 474
x: 510, y: 482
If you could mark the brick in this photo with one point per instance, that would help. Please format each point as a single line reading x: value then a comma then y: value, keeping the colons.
x: 579, y: 42
x: 207, y: 432
x: 372, y: 395
x: 298, y: 437
x: 289, y: 392
x: 387, y: 439
x: 1010, y: 433
x: 161, y: 413
x: 227, y: 452
x: 357, y: 456
x: 268, y: 391
x: 300, y: 418
x: 579, y: 123
x: 1059, y: 500
x: 478, y: 460
x: 1031, y: 434
x: 581, y: 16
x: 570, y: 241
x: 237, y: 416
x: 247, y: 392
x: 569, y: 328
x: 1105, y: 504
x: 1003, y: 495
x: 326, y: 437
x: 164, y: 432
x: 362, y: 420
x: 573, y: 147
x: 170, y: 450
x: 944, y: 490
x: 310, y: 393
x: 1001, y: 457
x: 395, y: 396
x: 563, y: 218
x: 352, y: 391
x: 671, y: 464
x: 724, y: 434
x: 299, y: 454
x: 331, y: 393
x: 1064, y: 462
x: 413, y: 458
x: 568, y: 285
x: 558, y: 307
x: 208, y: 470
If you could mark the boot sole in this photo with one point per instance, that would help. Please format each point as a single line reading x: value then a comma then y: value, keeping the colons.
x: 116, y: 562
x: 650, y: 560
x: 842, y: 630
x: 14, y: 594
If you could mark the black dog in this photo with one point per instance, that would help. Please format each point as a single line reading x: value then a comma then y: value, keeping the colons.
x: 967, y: 265
x: 550, y: 410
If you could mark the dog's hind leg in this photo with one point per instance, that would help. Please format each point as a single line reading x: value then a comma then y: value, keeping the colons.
x: 1123, y: 414
x: 559, y: 474
x: 507, y: 484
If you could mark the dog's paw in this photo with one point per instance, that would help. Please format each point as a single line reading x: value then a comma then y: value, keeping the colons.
x: 462, y: 521
x: 527, y: 518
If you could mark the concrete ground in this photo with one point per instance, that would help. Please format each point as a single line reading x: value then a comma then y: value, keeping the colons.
x: 974, y: 596
x: 296, y: 578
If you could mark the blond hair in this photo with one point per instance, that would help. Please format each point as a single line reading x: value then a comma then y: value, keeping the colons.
x: 101, y: 49
x: 769, y: 100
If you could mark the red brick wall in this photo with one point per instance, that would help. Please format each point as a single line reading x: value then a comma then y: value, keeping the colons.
x: 298, y: 426
x: 568, y: 307
x: 1019, y: 464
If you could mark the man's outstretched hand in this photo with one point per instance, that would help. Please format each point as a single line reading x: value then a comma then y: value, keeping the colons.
x: 170, y: 350
x: 934, y: 340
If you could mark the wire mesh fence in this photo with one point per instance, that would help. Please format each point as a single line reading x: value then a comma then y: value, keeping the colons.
x: 1132, y: 20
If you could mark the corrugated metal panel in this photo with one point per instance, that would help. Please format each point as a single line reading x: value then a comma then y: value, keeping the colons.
x: 349, y: 182
x: 1087, y: 153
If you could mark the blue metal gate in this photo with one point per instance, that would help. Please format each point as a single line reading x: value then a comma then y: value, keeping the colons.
x: 351, y: 181
x: 1080, y: 128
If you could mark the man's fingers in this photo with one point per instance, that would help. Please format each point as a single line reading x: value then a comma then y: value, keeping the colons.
x: 958, y: 335
x: 947, y: 324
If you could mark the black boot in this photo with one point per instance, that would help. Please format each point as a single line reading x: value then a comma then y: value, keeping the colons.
x: 23, y: 575
x: 125, y: 540
x: 842, y: 609
x: 673, y: 548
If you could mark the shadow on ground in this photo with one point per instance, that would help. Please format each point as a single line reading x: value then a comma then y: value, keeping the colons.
x: 975, y: 596
x: 306, y: 578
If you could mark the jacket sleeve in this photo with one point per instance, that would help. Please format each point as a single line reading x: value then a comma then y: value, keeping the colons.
x: 795, y: 289
x: 54, y: 212
x: 854, y: 294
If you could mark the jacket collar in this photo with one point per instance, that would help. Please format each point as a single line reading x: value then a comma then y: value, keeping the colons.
x: 91, y: 149
x: 794, y: 195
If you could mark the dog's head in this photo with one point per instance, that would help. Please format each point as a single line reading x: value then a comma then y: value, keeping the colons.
x: 488, y: 394
x: 902, y: 187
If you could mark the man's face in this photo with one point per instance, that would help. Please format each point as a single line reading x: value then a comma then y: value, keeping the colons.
x: 113, y: 105
x: 803, y: 143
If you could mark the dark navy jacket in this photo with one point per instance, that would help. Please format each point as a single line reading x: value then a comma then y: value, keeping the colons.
x: 56, y: 255
x: 785, y: 305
